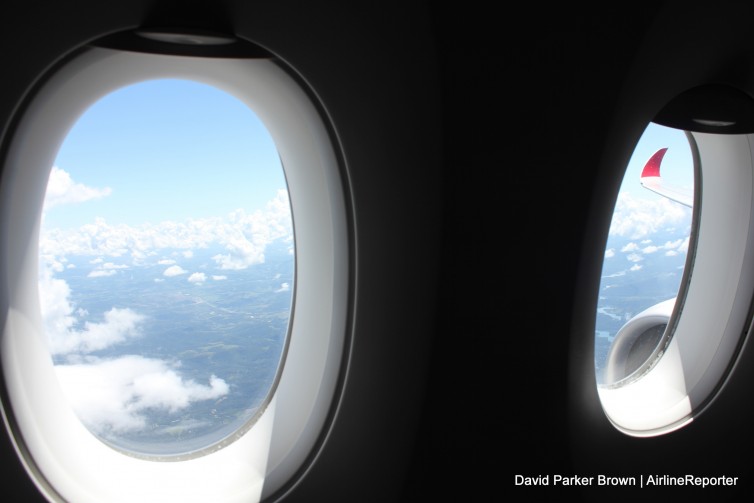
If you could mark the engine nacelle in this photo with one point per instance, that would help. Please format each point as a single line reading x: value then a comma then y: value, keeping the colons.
x: 638, y: 344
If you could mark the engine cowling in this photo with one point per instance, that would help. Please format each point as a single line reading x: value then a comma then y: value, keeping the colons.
x: 638, y: 344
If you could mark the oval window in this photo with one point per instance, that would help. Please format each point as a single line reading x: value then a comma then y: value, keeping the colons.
x: 150, y: 275
x: 167, y: 267
x: 678, y: 276
x: 645, y: 257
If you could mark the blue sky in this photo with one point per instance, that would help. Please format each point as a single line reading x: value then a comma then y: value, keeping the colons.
x: 167, y: 150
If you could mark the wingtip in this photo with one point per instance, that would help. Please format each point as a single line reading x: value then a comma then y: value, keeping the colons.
x: 652, y: 167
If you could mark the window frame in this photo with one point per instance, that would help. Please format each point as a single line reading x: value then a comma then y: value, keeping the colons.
x: 712, y: 315
x: 67, y: 461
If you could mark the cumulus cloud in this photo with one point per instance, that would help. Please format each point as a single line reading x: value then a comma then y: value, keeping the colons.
x: 636, y: 267
x: 671, y: 249
x: 61, y: 189
x: 110, y: 265
x: 678, y: 246
x: 174, y: 270
x: 99, y: 273
x: 114, y: 395
x: 634, y: 257
x: 166, y: 261
x: 197, y: 277
x: 283, y: 288
x: 219, y: 277
x: 639, y: 218
x: 610, y: 253
x: 64, y: 331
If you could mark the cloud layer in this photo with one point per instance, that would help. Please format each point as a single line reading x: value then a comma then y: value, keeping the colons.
x: 244, y: 237
x: 638, y: 218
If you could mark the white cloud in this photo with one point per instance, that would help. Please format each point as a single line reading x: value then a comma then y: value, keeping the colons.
x: 174, y: 270
x: 110, y: 265
x: 634, y: 257
x: 119, y: 325
x: 638, y: 218
x: 197, y: 277
x: 283, y: 288
x: 219, y: 277
x: 100, y: 273
x: 188, y: 253
x: 676, y: 247
x: 113, y: 395
x: 61, y: 189
x: 636, y: 267
x: 65, y: 333
x: 671, y: 245
x: 630, y: 247
x: 610, y: 253
x: 684, y: 246
x: 52, y: 263
x: 649, y: 249
x: 166, y: 261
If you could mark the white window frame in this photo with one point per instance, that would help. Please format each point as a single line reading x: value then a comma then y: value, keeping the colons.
x: 66, y: 461
x: 712, y: 317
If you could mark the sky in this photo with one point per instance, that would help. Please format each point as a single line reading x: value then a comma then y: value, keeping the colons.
x: 166, y: 164
x: 165, y: 150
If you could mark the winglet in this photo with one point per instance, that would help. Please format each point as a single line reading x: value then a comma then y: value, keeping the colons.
x: 651, y: 179
x: 652, y: 168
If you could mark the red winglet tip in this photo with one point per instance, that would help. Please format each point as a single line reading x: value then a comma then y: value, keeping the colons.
x: 652, y: 168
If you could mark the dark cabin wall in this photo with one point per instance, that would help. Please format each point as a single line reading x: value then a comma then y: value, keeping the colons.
x: 529, y: 101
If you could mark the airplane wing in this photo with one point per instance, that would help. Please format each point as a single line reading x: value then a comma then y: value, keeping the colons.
x: 651, y: 179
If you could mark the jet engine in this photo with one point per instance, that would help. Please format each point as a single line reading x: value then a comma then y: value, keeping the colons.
x: 638, y: 344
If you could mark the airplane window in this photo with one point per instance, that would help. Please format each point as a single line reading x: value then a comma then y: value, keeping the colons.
x: 677, y: 279
x: 166, y: 266
x: 645, y: 257
x: 148, y: 202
